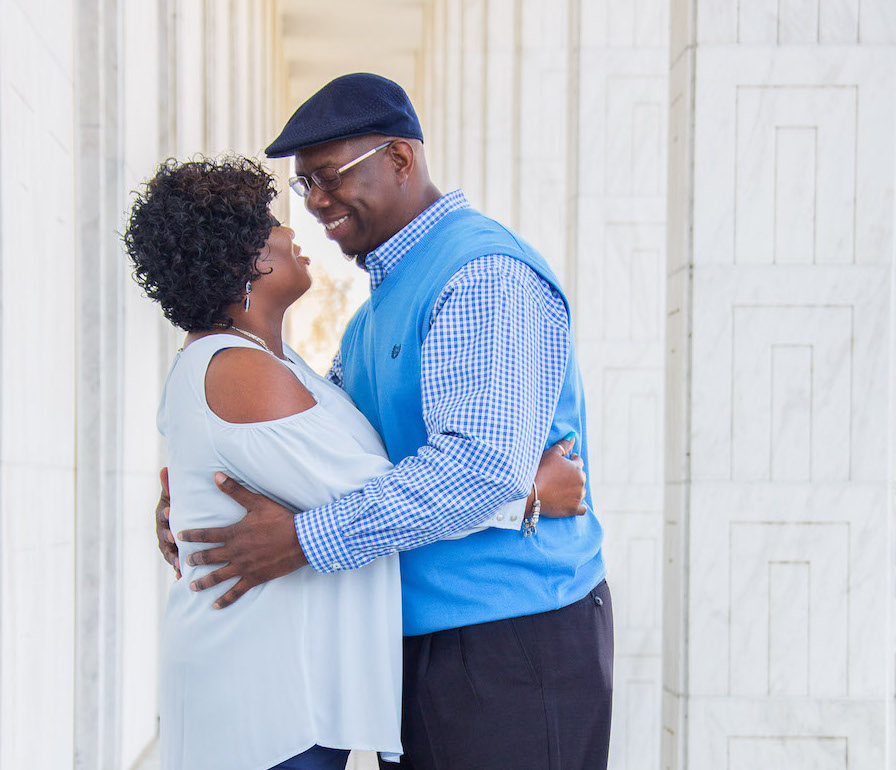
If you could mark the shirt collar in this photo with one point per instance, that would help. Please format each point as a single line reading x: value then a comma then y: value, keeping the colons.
x: 383, y: 259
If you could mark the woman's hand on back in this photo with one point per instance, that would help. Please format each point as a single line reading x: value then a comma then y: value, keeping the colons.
x: 560, y: 481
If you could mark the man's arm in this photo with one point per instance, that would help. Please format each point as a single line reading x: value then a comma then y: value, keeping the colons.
x: 492, y: 368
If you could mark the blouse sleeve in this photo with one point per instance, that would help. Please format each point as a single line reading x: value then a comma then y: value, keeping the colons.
x: 301, y: 461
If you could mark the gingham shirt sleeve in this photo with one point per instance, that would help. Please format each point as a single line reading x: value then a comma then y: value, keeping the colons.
x: 492, y: 369
x: 335, y: 373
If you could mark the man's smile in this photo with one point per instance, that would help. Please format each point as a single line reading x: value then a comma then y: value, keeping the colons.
x: 334, y: 224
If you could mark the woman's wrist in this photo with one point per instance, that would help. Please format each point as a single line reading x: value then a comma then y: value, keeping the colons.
x: 533, y: 510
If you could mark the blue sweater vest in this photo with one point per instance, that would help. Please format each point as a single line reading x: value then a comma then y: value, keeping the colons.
x: 493, y: 574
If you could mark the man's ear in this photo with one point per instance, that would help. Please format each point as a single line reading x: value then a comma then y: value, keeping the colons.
x: 403, y: 157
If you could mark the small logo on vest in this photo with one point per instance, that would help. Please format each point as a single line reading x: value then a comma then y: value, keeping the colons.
x: 396, y: 349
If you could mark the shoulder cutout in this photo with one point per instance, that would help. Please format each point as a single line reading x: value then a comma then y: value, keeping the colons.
x: 245, y: 385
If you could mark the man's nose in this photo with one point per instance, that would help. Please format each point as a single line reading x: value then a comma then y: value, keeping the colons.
x: 316, y: 199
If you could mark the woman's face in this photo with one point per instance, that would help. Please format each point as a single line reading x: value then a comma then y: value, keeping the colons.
x: 289, y: 277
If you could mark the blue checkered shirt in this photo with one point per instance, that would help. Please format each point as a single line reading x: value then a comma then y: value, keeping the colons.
x: 495, y: 328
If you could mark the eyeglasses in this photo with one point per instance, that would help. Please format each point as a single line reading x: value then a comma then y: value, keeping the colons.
x: 328, y: 178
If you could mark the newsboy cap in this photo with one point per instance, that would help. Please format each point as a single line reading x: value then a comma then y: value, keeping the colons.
x: 351, y: 105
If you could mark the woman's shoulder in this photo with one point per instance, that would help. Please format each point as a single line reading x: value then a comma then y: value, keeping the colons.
x: 249, y: 385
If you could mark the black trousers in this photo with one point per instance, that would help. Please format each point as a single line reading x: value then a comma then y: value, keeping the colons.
x: 527, y: 693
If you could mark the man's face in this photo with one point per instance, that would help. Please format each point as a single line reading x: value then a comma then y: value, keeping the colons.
x: 360, y: 214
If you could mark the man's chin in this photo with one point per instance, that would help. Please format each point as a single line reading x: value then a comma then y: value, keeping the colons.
x: 359, y: 259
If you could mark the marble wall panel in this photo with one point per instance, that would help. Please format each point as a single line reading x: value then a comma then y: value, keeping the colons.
x: 792, y: 22
x: 636, y: 712
x: 640, y: 24
x: 732, y: 410
x: 473, y: 100
x: 877, y: 22
x: 633, y: 266
x: 501, y: 176
x: 823, y: 753
x: 788, y: 733
x: 637, y: 613
x: 776, y: 481
x: 636, y: 122
x: 792, y: 374
x: 631, y: 428
x: 797, y: 22
x: 770, y: 149
x: 783, y: 578
x: 737, y: 532
x: 623, y: 125
x: 543, y: 192
x: 795, y: 187
x: 620, y: 159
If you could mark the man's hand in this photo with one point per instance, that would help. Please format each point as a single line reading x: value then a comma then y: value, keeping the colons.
x: 561, y: 481
x: 163, y: 531
x: 259, y: 547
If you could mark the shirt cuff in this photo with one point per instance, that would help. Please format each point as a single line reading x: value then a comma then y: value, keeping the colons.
x: 508, y: 516
x: 322, y: 544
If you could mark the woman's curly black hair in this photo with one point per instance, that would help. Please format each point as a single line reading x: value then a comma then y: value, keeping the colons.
x: 195, y: 233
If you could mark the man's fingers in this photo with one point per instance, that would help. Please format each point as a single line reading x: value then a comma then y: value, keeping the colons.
x: 242, y: 585
x: 210, y: 556
x: 579, y: 462
x: 214, y: 535
x: 163, y: 480
x: 213, y: 578
x: 238, y: 492
x: 581, y: 510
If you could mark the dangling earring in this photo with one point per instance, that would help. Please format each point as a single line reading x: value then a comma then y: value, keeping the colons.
x: 248, y: 291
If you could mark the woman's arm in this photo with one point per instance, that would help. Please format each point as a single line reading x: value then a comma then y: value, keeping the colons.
x: 245, y: 385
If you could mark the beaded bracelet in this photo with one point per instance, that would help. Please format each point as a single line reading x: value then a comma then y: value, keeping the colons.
x: 530, y: 522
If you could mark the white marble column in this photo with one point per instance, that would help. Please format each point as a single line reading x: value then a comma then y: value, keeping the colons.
x: 620, y: 168
x: 93, y: 94
x: 778, y: 584
x: 38, y: 320
x: 98, y: 192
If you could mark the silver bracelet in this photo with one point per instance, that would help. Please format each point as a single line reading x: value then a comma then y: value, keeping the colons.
x: 530, y: 522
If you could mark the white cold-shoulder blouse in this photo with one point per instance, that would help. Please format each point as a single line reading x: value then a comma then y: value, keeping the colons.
x: 304, y: 659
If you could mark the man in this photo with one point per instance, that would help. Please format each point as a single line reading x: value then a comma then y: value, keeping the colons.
x: 462, y: 359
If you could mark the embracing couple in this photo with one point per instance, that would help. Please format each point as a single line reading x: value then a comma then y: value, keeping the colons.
x: 336, y: 515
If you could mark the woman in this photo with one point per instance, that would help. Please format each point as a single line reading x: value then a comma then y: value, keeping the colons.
x: 307, y: 666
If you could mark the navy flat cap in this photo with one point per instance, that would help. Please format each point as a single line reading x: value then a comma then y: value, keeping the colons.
x: 351, y: 105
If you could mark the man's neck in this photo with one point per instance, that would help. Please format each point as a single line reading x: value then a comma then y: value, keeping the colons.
x: 428, y: 196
